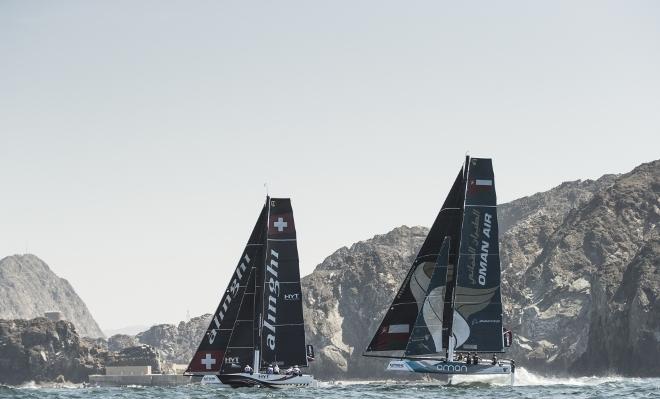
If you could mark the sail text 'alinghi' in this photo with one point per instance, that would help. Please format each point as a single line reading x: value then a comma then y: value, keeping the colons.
x: 258, y: 325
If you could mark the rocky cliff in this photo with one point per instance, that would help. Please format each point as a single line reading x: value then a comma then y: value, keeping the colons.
x: 175, y: 344
x: 43, y: 350
x: 28, y: 289
x: 580, y: 282
x: 587, y: 300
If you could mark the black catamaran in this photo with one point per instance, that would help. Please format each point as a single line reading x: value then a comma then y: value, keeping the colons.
x: 259, y: 321
x: 449, y: 303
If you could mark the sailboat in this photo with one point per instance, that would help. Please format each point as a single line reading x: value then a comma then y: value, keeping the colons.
x: 259, y: 321
x: 449, y: 306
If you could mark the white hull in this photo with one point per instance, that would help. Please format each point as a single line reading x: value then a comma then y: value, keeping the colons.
x: 452, y: 368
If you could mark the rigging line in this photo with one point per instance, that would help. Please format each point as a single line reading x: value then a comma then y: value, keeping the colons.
x: 420, y: 286
x: 434, y: 312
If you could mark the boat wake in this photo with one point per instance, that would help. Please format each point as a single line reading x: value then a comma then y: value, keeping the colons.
x: 524, y: 377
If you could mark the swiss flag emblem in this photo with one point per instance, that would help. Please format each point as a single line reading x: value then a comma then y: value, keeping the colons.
x: 281, y: 224
x: 206, y: 361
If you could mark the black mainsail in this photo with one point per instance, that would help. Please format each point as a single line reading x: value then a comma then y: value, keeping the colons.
x: 259, y: 320
x: 283, y: 328
x: 460, y: 260
x: 477, y: 319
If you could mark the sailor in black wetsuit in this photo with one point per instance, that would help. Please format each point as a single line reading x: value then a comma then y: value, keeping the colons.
x: 468, y: 359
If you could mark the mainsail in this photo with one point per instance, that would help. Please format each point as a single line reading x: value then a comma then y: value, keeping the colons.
x: 460, y: 260
x: 283, y: 329
x: 477, y: 323
x: 259, y: 319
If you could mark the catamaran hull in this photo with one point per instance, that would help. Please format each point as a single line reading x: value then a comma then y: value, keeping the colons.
x: 439, y: 367
x: 240, y: 380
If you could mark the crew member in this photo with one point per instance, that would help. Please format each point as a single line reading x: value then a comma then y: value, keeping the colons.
x: 248, y: 369
x: 494, y: 362
x: 296, y: 370
x: 468, y: 359
x: 276, y: 369
x: 269, y: 370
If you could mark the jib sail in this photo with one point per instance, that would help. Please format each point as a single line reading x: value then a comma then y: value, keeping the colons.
x: 477, y: 317
x: 282, y: 331
x: 427, y: 334
x: 393, y: 334
x: 213, y: 353
x: 240, y: 349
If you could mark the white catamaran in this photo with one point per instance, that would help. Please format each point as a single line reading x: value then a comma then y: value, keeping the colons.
x: 449, y: 307
x: 259, y: 322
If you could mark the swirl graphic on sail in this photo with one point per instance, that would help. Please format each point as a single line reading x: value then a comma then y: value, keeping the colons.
x: 426, y: 337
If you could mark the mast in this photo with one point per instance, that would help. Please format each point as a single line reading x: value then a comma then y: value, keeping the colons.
x: 451, y: 340
x: 259, y: 295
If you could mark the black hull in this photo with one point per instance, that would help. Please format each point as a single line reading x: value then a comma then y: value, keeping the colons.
x: 242, y: 380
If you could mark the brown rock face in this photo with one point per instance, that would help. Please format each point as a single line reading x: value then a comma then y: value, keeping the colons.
x: 176, y: 344
x: 41, y: 350
x: 587, y: 303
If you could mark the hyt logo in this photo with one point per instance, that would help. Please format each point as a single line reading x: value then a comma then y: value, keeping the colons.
x: 231, y: 360
x: 291, y: 297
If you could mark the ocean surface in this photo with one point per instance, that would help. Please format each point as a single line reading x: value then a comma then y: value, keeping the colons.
x: 527, y: 385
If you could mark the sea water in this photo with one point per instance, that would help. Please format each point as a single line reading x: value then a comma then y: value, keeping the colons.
x: 527, y: 385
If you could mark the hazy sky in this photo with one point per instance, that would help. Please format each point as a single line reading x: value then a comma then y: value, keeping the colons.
x: 136, y: 136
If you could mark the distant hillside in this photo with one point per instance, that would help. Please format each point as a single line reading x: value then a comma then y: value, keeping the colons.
x: 28, y: 288
x: 580, y: 282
